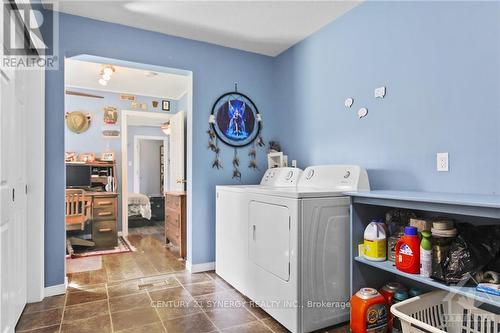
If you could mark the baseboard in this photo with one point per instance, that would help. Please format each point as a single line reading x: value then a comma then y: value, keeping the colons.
x: 58, y: 289
x: 198, y: 268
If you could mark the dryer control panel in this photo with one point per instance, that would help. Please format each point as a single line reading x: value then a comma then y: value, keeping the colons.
x: 281, y: 177
x: 342, y: 177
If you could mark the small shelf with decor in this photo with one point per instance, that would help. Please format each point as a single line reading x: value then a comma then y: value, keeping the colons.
x: 474, y: 209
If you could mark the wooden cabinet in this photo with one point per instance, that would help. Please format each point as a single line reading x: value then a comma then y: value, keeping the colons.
x: 175, y: 221
x: 104, y: 219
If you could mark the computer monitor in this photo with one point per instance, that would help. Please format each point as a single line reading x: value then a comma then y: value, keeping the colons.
x: 78, y: 176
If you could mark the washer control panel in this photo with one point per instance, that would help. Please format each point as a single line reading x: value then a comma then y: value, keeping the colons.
x: 343, y: 177
x: 280, y: 177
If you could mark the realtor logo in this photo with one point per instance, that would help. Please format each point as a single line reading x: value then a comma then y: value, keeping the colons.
x: 24, y: 45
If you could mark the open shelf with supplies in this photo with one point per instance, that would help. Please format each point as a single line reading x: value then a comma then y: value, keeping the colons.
x: 475, y: 209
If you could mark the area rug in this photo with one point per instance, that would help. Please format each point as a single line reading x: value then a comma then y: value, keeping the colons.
x: 123, y: 247
x: 77, y: 265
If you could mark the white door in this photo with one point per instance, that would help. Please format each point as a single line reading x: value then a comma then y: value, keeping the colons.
x: 13, y: 279
x: 269, y: 238
x: 176, y: 153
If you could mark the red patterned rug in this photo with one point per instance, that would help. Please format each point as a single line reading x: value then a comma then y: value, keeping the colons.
x: 123, y: 247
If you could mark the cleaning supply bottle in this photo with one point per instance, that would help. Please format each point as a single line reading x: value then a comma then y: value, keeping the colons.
x: 426, y: 254
x: 399, y: 296
x: 408, y: 252
x: 368, y: 312
x: 388, y: 291
x: 375, y: 241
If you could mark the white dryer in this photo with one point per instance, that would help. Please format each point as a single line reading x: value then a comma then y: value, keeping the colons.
x: 231, y: 229
x: 298, y: 247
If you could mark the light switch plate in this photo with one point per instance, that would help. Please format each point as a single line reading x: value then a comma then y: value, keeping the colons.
x: 442, y: 162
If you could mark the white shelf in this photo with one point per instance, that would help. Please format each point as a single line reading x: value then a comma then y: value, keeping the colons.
x: 465, y: 291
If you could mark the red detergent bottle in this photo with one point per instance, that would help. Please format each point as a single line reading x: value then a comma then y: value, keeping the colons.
x: 408, y: 252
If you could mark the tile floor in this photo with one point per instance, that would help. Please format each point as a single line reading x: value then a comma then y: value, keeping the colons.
x: 147, y: 291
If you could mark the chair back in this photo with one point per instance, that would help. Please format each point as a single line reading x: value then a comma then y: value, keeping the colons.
x: 78, y: 209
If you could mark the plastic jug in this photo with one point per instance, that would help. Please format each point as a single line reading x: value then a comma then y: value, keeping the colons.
x: 408, y: 251
x: 368, y: 312
x: 375, y: 241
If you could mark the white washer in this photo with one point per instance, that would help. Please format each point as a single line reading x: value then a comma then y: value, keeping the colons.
x: 298, y: 247
x: 231, y: 230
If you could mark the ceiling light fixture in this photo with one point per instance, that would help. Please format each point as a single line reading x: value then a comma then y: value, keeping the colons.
x: 105, y: 74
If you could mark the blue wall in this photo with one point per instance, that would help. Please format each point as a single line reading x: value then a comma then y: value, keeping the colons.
x: 215, y: 69
x: 440, y: 62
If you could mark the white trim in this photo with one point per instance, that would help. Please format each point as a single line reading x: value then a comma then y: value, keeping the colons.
x: 198, y: 268
x: 182, y: 95
x: 58, y: 289
x: 35, y: 182
x: 106, y: 90
x: 124, y: 138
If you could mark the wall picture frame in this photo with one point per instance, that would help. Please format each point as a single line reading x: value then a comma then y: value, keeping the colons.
x: 127, y: 97
x: 165, y: 105
x: 108, y: 156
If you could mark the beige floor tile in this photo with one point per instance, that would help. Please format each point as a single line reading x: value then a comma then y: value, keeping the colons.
x: 176, y: 308
x: 204, y: 288
x: 196, y: 323
x: 252, y: 327
x: 101, y: 324
x: 85, y: 310
x: 150, y: 328
x: 47, y: 304
x: 29, y: 321
x: 85, y: 296
x: 169, y: 294
x: 225, y: 299
x: 49, y: 329
x: 188, y: 278
x: 128, y: 302
x: 134, y: 318
x: 224, y: 318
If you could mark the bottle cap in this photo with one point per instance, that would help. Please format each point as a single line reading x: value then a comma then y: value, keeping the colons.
x: 401, y: 295
x: 414, y: 292
x: 393, y: 286
x: 426, y: 234
x: 411, y: 231
x: 367, y: 293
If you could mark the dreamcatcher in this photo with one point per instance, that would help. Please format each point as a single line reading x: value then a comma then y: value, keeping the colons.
x: 236, y: 122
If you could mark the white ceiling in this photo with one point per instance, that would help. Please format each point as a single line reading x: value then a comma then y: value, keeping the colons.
x: 265, y: 27
x: 84, y: 74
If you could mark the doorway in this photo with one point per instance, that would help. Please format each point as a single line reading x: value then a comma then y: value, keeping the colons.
x: 122, y: 140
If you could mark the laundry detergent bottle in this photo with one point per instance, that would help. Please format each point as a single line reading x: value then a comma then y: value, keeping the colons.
x: 368, y: 312
x: 408, y: 252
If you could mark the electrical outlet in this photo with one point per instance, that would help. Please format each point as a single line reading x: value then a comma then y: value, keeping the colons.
x: 442, y: 162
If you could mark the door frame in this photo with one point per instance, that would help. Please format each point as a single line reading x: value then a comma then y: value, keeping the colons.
x: 137, y: 160
x: 188, y: 141
x: 125, y: 114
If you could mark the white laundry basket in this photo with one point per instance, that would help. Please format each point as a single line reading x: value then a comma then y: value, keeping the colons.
x: 444, y: 312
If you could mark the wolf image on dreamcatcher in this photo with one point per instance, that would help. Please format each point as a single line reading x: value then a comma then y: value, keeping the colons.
x: 235, y: 121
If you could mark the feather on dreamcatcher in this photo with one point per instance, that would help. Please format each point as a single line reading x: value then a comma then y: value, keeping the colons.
x: 236, y: 122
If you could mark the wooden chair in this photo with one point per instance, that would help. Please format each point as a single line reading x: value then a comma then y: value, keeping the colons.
x: 78, y: 213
